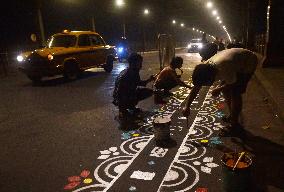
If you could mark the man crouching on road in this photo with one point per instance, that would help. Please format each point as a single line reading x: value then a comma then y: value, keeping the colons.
x: 126, y: 93
x: 233, y: 68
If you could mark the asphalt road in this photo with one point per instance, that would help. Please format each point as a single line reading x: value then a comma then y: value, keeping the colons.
x: 65, y: 136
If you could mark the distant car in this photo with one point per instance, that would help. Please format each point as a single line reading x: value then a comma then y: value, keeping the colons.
x: 68, y: 53
x: 195, y: 45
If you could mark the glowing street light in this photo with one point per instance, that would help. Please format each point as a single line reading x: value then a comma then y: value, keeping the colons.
x: 193, y: 29
x: 214, y: 12
x: 174, y: 21
x: 220, y: 22
x: 209, y: 4
x: 182, y: 24
x: 119, y: 3
x: 146, y: 11
x: 218, y: 18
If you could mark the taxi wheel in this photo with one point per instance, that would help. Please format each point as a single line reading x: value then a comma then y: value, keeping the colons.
x: 71, y: 71
x: 109, y: 65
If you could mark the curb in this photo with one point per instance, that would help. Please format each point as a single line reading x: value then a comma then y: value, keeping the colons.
x: 269, y: 89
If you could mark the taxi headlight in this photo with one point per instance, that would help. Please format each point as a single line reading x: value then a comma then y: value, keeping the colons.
x: 189, y: 46
x: 20, y: 58
x: 200, y: 46
x: 50, y: 57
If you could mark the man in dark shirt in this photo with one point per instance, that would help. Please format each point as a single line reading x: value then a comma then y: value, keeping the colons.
x: 127, y: 92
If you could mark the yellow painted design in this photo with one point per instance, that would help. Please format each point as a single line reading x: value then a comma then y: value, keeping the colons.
x: 88, y: 181
x: 204, y: 141
x: 135, y: 135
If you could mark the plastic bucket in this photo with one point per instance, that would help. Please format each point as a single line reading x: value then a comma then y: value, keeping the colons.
x: 162, y: 128
x: 238, y: 180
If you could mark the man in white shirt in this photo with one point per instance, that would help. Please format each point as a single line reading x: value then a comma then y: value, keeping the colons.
x: 233, y: 68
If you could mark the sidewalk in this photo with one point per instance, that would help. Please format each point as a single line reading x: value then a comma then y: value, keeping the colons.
x: 272, y: 81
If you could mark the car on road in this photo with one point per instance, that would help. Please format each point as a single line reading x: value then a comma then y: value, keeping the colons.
x: 68, y: 53
x: 194, y: 46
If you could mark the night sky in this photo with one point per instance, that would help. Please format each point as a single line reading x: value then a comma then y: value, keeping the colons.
x: 19, y: 18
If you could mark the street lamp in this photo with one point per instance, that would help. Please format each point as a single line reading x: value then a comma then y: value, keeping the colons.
x: 182, y: 24
x: 174, y: 21
x: 121, y: 3
x: 214, y: 12
x: 209, y: 4
x: 146, y: 11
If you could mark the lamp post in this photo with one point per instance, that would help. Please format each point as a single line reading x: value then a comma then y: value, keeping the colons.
x: 120, y: 4
x: 40, y: 22
x: 146, y: 12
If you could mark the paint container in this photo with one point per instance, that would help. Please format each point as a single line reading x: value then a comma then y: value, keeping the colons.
x: 238, y: 180
x: 162, y: 128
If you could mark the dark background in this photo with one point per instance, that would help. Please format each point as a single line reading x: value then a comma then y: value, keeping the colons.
x: 19, y: 19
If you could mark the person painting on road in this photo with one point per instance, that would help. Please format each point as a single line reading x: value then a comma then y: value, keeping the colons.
x: 204, y: 40
x: 233, y: 68
x: 127, y: 92
x: 168, y: 78
x: 208, y: 51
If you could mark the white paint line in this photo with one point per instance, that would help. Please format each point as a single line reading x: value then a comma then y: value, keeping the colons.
x: 109, y: 185
x: 185, y: 178
x: 147, y: 176
x: 129, y: 163
x: 88, y: 187
x: 183, y: 144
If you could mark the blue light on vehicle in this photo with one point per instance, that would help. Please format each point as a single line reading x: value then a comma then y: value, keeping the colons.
x: 120, y: 49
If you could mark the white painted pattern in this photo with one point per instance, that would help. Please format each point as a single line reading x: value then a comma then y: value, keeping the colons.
x: 117, y: 161
x: 147, y: 176
x: 202, y: 127
x: 158, y: 152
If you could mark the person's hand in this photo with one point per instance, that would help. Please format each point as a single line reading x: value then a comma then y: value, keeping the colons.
x: 152, y: 77
x: 186, y: 111
x: 215, y: 92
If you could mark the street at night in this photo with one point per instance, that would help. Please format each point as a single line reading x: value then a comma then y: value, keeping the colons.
x: 52, y: 133
x: 142, y: 96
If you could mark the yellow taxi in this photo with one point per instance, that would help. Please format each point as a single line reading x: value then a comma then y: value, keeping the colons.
x: 68, y: 53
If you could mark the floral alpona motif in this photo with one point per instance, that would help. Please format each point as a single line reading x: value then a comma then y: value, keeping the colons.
x: 75, y: 181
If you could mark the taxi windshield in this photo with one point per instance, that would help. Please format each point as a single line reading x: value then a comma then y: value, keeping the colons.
x: 195, y: 41
x: 62, y: 41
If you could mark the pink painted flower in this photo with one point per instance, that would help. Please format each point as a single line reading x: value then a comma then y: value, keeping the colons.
x: 75, y: 181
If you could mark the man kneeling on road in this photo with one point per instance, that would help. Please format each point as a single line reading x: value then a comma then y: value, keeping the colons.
x: 233, y: 68
x: 168, y: 79
x: 126, y: 93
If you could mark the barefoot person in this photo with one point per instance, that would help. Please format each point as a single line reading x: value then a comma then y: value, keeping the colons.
x: 233, y: 68
x: 168, y: 78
